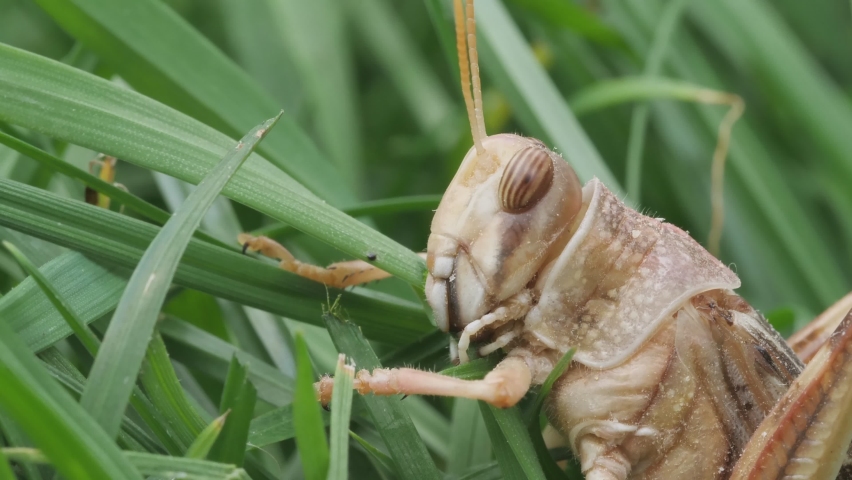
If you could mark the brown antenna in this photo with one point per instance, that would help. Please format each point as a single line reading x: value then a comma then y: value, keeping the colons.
x: 466, y: 45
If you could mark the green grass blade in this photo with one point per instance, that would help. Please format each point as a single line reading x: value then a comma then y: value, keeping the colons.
x: 181, y: 467
x: 152, y: 464
x: 469, y: 442
x: 420, y: 88
x: 393, y: 423
x: 86, y: 336
x: 307, y: 419
x: 544, y: 391
x: 116, y: 121
x: 639, y: 121
x: 76, y: 445
x: 316, y: 34
x: 5, y: 468
x: 118, y: 242
x: 384, y: 206
x: 119, y: 195
x: 121, y: 354
x: 572, y: 16
x: 205, y: 440
x: 168, y: 397
x: 511, y: 442
x: 207, y: 353
x: 341, y: 412
x: 610, y: 93
x: 380, y: 457
x: 239, y: 398
x: 163, y: 57
x: 515, y: 60
x: 61, y: 369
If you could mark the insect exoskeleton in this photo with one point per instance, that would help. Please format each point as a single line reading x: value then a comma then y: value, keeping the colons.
x: 674, y: 375
x: 507, y: 212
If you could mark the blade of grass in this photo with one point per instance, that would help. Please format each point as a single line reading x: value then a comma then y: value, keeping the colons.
x: 307, y: 419
x: 84, y: 334
x: 639, y: 119
x: 118, y: 241
x: 207, y: 353
x: 470, y: 444
x: 385, y: 206
x: 162, y: 56
x: 168, y: 397
x: 395, y: 426
x: 413, y: 77
x: 609, y: 93
x: 151, y: 464
x: 5, y: 469
x: 239, y: 398
x: 515, y: 61
x: 385, y: 461
x: 57, y: 424
x: 554, y: 375
x: 121, y: 354
x: 116, y: 121
x: 316, y: 35
x: 511, y: 442
x: 341, y: 412
x: 119, y: 195
x: 572, y: 16
x: 205, y: 440
x: 61, y: 369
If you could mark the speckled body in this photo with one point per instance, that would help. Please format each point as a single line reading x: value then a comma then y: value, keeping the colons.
x: 673, y: 371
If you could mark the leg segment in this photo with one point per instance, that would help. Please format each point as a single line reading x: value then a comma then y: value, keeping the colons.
x: 807, y: 433
x: 337, y: 275
x: 502, y: 387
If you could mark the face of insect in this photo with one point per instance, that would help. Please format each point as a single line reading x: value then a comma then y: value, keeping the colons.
x: 507, y: 211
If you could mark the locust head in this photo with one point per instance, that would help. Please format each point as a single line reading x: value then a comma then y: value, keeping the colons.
x: 506, y: 212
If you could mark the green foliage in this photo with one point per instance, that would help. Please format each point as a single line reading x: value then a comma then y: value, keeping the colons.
x: 373, y: 131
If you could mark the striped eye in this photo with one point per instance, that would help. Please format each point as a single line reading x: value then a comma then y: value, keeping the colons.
x: 526, y: 180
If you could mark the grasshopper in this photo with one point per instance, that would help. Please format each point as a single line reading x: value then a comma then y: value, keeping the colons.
x: 674, y: 376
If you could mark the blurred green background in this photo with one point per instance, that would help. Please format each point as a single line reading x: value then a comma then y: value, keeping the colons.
x: 373, y: 85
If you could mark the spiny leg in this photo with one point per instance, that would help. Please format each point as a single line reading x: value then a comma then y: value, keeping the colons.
x: 807, y: 433
x: 807, y: 341
x: 502, y: 387
x: 337, y: 275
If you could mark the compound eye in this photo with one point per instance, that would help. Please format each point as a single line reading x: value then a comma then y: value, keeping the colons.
x: 526, y: 180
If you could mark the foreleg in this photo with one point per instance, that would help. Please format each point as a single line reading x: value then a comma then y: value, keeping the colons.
x: 337, y: 275
x: 502, y: 387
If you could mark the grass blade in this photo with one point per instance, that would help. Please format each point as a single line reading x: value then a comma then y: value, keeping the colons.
x: 511, y: 442
x: 307, y: 419
x: 554, y: 375
x: 394, y: 425
x: 5, y: 468
x: 515, y: 60
x: 116, y: 121
x: 341, y: 412
x: 639, y: 121
x: 119, y: 195
x: 239, y: 398
x: 86, y: 336
x: 160, y: 55
x: 121, y: 354
x: 76, y: 445
x: 205, y: 440
x: 168, y: 397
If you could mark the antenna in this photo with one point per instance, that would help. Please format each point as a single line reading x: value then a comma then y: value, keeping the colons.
x: 469, y: 63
